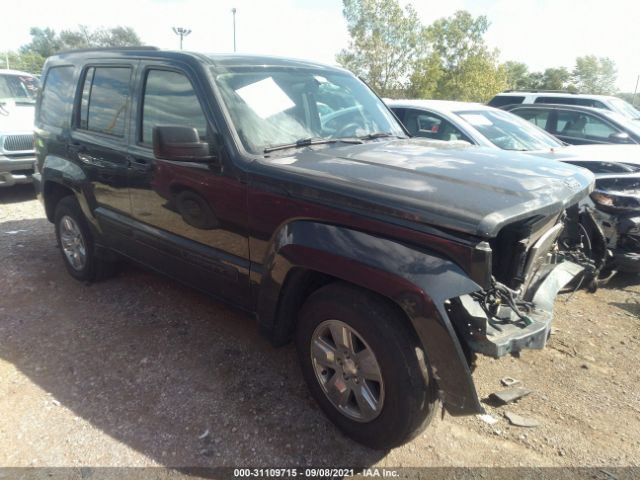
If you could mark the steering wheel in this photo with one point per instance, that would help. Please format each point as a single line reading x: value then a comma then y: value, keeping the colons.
x: 349, y: 130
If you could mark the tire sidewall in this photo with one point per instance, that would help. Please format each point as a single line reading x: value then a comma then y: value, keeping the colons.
x: 69, y: 206
x: 404, y: 392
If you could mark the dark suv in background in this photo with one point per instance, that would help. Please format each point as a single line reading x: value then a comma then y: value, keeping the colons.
x: 289, y: 190
x: 578, y: 125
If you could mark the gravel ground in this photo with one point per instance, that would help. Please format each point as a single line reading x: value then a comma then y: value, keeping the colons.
x: 141, y: 371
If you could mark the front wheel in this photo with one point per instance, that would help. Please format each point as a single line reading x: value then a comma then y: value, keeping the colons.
x: 364, y: 366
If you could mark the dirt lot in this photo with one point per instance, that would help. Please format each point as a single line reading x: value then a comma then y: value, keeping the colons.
x: 139, y: 371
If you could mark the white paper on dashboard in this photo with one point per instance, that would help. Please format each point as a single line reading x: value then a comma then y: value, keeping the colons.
x: 265, y: 98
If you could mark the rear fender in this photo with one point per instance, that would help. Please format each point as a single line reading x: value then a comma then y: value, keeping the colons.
x: 418, y: 281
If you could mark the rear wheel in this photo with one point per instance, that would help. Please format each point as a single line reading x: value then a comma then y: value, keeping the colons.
x: 77, y: 244
x: 364, y: 366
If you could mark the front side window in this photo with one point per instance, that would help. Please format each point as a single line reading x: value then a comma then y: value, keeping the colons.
x: 105, y: 100
x: 583, y: 125
x: 57, y: 97
x: 169, y: 99
x: 273, y: 106
x: 508, y: 131
x: 429, y: 125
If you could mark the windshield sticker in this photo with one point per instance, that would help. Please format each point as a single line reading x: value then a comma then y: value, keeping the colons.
x: 265, y: 98
x: 477, y: 120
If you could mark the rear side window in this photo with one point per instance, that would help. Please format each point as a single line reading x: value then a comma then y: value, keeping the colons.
x: 105, y: 100
x: 537, y: 117
x: 557, y: 100
x: 169, y: 99
x: 502, y: 100
x: 57, y: 96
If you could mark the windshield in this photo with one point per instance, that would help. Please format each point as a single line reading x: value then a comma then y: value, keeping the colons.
x: 273, y: 106
x: 625, y: 122
x: 625, y: 108
x: 18, y: 88
x: 508, y: 131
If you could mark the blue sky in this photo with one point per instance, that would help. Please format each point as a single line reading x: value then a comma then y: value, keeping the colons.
x: 540, y: 33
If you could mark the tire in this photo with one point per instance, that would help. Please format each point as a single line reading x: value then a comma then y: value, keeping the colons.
x: 70, y: 222
x: 404, y: 400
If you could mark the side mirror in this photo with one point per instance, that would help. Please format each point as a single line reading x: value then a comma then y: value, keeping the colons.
x: 619, y: 137
x: 173, y: 142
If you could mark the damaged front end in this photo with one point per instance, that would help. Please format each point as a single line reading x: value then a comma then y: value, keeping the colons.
x: 515, y: 310
x: 615, y: 208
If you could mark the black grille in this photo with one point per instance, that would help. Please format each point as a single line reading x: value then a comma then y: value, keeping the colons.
x: 16, y: 143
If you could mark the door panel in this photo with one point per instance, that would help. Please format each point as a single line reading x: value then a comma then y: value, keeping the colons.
x: 200, y: 207
x: 99, y: 139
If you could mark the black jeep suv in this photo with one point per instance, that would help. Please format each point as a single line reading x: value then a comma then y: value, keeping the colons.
x: 289, y: 190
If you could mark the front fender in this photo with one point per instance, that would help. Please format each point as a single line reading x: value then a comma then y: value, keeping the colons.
x: 418, y: 281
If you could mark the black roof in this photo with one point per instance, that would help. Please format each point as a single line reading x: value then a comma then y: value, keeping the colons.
x: 216, y: 60
x: 557, y: 106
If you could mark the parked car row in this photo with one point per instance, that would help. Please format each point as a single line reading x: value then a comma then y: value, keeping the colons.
x: 392, y: 255
x: 609, y: 218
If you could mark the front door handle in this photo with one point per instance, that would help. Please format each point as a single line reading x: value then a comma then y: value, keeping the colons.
x: 140, y: 164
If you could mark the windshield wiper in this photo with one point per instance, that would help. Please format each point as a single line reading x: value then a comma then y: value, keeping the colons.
x: 305, y: 142
x: 373, y: 136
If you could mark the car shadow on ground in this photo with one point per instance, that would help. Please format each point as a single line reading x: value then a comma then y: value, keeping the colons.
x: 17, y: 194
x: 159, y: 367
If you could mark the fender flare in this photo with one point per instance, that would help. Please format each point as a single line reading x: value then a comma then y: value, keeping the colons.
x: 417, y: 280
x: 65, y: 173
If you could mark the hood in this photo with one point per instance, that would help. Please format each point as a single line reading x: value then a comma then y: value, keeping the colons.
x: 596, y: 157
x: 474, y: 190
x: 16, y: 118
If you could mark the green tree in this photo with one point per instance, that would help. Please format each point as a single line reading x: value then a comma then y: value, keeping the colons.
x: 517, y: 75
x: 595, y: 75
x: 44, y: 41
x: 385, y: 43
x: 30, y: 62
x: 556, y: 79
x: 83, y: 37
x: 467, y: 69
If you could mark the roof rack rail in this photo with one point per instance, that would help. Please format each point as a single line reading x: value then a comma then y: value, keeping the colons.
x: 108, y: 49
x: 536, y: 90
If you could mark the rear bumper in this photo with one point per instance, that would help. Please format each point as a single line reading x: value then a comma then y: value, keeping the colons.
x: 509, y: 334
x: 14, y: 171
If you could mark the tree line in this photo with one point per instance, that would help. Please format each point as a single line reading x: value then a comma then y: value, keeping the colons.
x: 46, y: 42
x: 398, y: 56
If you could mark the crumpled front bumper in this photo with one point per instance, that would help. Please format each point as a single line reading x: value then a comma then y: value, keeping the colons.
x: 496, y: 338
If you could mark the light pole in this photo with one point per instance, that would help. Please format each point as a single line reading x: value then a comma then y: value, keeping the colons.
x: 181, y: 32
x: 233, y: 10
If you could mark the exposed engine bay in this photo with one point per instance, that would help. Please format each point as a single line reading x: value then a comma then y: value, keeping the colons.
x: 531, y: 263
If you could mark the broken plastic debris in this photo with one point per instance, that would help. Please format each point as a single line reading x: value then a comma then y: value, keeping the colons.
x: 490, y: 419
x: 509, y: 381
x: 510, y: 394
x: 520, y: 421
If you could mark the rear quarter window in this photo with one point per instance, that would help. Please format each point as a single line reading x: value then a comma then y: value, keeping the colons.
x: 57, y: 97
x: 500, y: 101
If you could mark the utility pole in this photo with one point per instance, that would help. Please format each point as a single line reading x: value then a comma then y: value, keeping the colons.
x: 6, y: 57
x: 633, y: 99
x: 233, y: 10
x: 181, y: 32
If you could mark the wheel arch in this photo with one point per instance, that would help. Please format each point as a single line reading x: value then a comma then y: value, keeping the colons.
x: 306, y: 255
